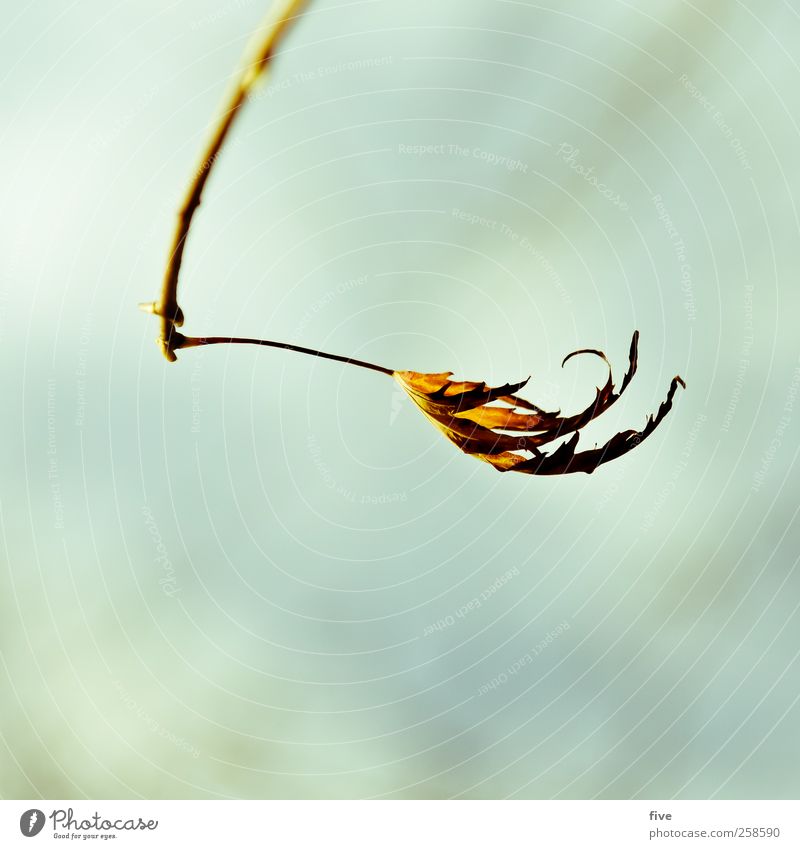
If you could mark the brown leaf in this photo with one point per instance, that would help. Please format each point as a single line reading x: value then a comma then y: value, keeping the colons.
x: 509, y: 433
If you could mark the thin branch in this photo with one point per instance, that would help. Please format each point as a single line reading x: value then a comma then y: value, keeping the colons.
x: 182, y: 341
x: 257, y: 57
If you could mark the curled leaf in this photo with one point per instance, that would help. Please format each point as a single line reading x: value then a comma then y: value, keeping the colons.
x: 495, y: 425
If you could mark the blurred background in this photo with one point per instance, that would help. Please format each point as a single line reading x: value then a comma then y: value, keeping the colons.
x: 256, y: 574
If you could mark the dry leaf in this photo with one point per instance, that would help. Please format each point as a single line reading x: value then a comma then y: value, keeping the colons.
x: 497, y: 426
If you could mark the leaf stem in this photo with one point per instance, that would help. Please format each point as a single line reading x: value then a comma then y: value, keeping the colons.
x: 257, y: 56
x: 181, y: 341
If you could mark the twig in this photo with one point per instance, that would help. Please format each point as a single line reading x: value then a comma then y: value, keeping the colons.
x: 257, y: 57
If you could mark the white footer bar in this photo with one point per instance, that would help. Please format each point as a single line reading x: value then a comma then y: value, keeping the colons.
x: 402, y: 824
